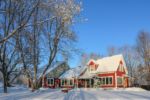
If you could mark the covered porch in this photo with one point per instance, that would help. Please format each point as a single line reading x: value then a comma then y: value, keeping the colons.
x: 85, y: 83
x: 86, y: 80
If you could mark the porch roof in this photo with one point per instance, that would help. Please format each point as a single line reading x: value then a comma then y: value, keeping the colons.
x: 72, y: 73
x: 87, y: 75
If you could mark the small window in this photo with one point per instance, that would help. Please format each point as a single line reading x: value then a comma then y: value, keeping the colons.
x: 71, y: 82
x: 50, y: 81
x: 103, y: 81
x: 63, y: 82
x: 121, y: 68
x: 66, y: 82
x: 92, y: 68
x: 106, y: 80
x: 119, y: 80
x: 110, y: 80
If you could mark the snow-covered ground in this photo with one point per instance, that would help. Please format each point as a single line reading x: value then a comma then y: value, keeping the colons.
x: 22, y: 93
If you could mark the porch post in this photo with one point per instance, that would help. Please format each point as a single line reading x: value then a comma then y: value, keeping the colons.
x: 90, y: 83
x: 115, y: 80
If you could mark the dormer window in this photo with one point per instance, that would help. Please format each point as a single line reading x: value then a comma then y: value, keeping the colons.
x: 92, y: 67
x: 121, y: 68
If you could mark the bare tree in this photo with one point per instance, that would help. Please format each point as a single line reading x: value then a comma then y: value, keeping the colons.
x: 34, y: 31
x: 9, y: 61
x: 47, y: 40
x: 143, y: 49
x: 131, y: 57
x: 86, y: 57
x: 132, y: 60
x: 10, y: 10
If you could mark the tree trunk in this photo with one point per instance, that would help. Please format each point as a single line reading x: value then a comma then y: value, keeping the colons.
x: 5, y: 84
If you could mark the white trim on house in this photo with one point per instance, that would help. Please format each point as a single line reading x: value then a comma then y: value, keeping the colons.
x: 116, y: 80
x: 105, y: 72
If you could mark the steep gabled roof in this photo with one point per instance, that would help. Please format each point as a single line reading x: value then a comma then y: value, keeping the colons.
x: 108, y: 64
x: 54, y: 66
x: 92, y: 61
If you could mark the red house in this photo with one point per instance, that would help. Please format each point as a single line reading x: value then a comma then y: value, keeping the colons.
x: 109, y: 71
x: 51, y: 77
x: 70, y: 78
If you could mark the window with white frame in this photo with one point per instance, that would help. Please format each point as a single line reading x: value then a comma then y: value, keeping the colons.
x: 106, y: 80
x: 121, y: 68
x: 67, y: 82
x: 92, y: 68
x: 50, y: 81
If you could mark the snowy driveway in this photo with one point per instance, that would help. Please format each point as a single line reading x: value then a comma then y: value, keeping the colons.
x: 77, y: 94
x: 97, y: 94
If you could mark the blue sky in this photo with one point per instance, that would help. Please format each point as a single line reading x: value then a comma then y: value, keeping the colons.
x: 110, y: 23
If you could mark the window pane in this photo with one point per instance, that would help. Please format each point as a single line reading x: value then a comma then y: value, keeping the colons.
x: 62, y: 82
x: 71, y: 82
x: 103, y: 80
x: 119, y: 80
x: 110, y: 80
x: 52, y: 81
x: 65, y: 82
x: 48, y: 81
x: 106, y: 80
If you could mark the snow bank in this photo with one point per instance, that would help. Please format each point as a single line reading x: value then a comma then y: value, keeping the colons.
x: 21, y: 93
x: 134, y: 89
x: 42, y: 89
x: 127, y: 89
x: 112, y: 89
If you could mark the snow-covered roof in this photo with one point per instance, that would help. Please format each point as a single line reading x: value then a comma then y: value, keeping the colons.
x: 73, y: 72
x: 54, y: 67
x: 108, y: 64
x: 87, y: 75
